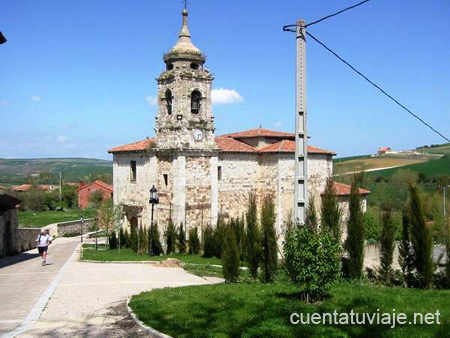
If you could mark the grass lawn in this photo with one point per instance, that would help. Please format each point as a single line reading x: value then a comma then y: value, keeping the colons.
x: 261, y: 310
x: 89, y: 253
x: 39, y: 219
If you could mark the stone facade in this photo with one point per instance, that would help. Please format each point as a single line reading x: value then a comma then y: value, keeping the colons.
x: 200, y: 176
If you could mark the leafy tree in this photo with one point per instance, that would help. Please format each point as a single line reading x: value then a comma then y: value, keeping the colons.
x: 194, y: 241
x: 387, y: 242
x: 421, y: 239
x: 96, y: 198
x: 171, y: 237
x: 69, y: 197
x: 372, y: 226
x: 312, y: 261
x: 108, y: 216
x: 405, y: 254
x: 331, y: 213
x: 154, y: 239
x: 269, y: 240
x: 253, y: 238
x: 209, y: 245
x: 231, y: 259
x: 355, y: 240
x: 181, y: 239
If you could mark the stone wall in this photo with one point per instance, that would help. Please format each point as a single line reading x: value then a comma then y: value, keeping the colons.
x: 74, y: 227
x: 26, y: 238
x: 9, y: 244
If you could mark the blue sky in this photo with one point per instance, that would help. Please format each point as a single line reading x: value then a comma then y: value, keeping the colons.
x: 78, y: 77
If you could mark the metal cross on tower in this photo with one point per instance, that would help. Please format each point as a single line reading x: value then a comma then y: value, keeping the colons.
x: 185, y: 3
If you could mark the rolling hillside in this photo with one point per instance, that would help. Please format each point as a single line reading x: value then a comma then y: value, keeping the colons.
x: 15, y: 171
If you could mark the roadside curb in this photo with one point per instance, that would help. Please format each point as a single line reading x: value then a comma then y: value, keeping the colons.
x: 153, y: 333
x: 121, y: 262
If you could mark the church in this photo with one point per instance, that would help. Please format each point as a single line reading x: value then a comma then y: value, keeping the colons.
x: 201, y: 176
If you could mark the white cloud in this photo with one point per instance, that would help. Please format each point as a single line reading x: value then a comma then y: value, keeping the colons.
x: 62, y: 139
x: 277, y: 124
x: 151, y: 100
x: 36, y: 98
x: 225, y: 96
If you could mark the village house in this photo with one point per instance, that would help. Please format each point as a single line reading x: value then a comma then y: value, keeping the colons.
x: 199, y: 175
x: 86, y: 191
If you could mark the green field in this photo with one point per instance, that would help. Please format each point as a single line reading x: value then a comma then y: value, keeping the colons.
x: 39, y: 219
x: 73, y: 169
x: 263, y: 310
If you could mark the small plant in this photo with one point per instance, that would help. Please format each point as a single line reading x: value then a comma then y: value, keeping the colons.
x: 231, y: 259
x: 253, y: 238
x: 269, y: 241
x: 181, y: 239
x: 194, y: 242
x: 171, y: 237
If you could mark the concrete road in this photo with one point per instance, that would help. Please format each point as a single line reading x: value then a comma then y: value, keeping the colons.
x: 24, y: 283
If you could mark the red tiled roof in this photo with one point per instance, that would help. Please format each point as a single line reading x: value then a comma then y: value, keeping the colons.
x: 344, y: 189
x: 288, y: 146
x: 100, y: 183
x: 260, y: 132
x: 133, y: 147
x: 234, y: 146
x: 26, y: 187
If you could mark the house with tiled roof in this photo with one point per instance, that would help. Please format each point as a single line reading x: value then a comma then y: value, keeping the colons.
x: 201, y: 176
x: 86, y: 191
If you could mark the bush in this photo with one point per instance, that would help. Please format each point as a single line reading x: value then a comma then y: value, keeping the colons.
x: 171, y: 237
x: 154, y: 240
x: 209, y: 244
x: 355, y: 240
x: 312, y: 261
x: 220, y: 237
x: 133, y: 242
x: 269, y: 241
x: 194, y: 242
x: 181, y: 239
x: 253, y: 238
x: 231, y: 259
x: 372, y: 226
x: 126, y: 240
x: 405, y: 254
x: 113, y: 241
x: 123, y: 238
x: 387, y: 245
x: 143, y: 241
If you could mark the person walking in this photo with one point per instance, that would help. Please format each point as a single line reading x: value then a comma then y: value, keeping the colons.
x: 43, y: 240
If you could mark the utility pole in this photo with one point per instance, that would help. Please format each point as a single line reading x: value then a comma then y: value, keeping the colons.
x: 301, y: 135
x: 444, y: 188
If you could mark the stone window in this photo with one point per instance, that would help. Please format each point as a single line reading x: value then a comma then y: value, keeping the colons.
x: 196, y: 99
x: 219, y: 173
x: 194, y: 65
x: 166, y: 179
x: 169, y: 66
x: 169, y: 98
x: 133, y: 171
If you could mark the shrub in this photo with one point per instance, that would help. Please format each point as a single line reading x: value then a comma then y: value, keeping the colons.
x: 269, y: 241
x: 330, y: 212
x: 355, y: 240
x: 311, y: 215
x: 113, y: 240
x: 154, y: 240
x: 171, y: 237
x: 220, y: 237
x: 231, y: 259
x: 181, y: 239
x: 253, y: 238
x: 122, y: 238
x: 209, y: 245
x: 420, y: 238
x: 194, y: 242
x: 312, y: 261
x: 126, y: 240
x: 405, y: 254
x: 144, y: 241
x: 96, y: 198
x: 372, y: 226
x: 133, y: 242
x: 387, y: 245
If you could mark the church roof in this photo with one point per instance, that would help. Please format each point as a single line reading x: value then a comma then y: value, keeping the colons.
x: 345, y: 189
x: 260, y: 132
x: 234, y: 146
x: 288, y: 146
x: 138, y: 146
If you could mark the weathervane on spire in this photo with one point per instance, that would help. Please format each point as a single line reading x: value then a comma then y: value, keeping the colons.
x: 185, y: 3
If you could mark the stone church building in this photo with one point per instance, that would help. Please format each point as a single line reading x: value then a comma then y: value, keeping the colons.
x: 199, y: 175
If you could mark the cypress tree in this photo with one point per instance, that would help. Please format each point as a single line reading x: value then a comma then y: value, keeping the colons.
x: 153, y: 237
x: 355, y: 239
x: 194, y: 242
x: 112, y: 240
x: 220, y: 237
x: 269, y: 242
x: 141, y: 241
x: 181, y: 239
x: 331, y: 213
x: 122, y: 238
x: 387, y: 243
x: 231, y: 259
x: 253, y: 238
x: 311, y: 215
x: 405, y: 254
x: 209, y: 246
x: 170, y: 237
x: 134, y: 239
x: 421, y: 239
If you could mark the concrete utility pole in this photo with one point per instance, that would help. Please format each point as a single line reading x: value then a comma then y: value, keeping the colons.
x: 444, y: 188
x: 301, y: 135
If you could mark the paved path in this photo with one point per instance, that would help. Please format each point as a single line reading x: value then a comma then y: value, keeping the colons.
x: 89, y: 298
x: 23, y: 281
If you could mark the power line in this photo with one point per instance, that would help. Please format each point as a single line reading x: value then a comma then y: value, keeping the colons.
x: 337, y: 13
x: 376, y: 86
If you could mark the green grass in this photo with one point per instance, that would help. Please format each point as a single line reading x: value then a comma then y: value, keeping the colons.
x: 129, y: 255
x: 39, y: 219
x: 213, y: 271
x: 263, y: 310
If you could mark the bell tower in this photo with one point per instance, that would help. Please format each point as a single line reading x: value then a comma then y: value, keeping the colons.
x: 185, y: 120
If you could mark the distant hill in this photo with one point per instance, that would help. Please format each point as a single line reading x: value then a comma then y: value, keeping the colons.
x: 16, y: 171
